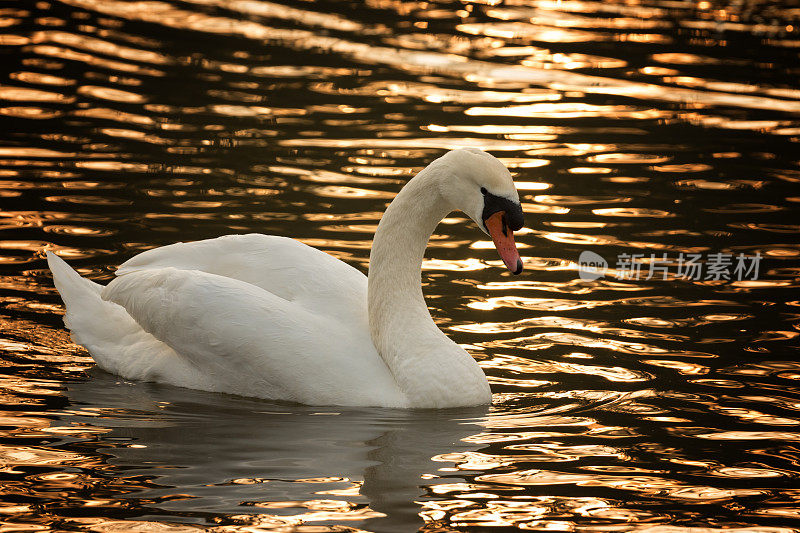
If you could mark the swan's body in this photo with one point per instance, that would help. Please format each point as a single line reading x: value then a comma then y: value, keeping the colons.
x: 270, y: 317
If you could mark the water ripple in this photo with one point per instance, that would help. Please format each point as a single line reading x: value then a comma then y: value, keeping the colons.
x: 664, y: 404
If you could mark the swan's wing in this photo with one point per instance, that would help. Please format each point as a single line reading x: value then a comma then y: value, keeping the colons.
x: 252, y: 342
x: 282, y: 266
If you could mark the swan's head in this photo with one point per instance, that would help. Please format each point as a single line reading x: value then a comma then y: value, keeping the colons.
x: 481, y: 186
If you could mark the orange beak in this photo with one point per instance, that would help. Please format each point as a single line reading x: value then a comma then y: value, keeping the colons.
x: 503, y: 239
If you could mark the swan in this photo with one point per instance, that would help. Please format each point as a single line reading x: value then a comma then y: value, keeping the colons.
x: 270, y: 317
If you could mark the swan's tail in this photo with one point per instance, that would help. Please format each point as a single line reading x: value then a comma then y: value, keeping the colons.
x: 81, y: 298
x: 116, y: 342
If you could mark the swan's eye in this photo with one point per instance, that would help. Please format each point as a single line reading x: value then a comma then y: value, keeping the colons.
x: 483, y: 191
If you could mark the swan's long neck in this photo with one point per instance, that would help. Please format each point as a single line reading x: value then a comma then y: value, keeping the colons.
x: 430, y: 368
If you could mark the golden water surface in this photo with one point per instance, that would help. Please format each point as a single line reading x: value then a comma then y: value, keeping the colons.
x: 664, y: 404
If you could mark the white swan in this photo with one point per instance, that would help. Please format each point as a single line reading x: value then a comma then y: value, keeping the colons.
x: 266, y: 316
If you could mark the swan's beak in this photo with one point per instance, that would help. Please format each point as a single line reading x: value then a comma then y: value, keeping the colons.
x: 503, y: 238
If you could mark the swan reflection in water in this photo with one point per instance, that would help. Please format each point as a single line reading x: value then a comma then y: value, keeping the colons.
x: 214, y: 453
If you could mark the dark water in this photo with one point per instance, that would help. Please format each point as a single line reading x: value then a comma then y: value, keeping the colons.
x: 665, y: 127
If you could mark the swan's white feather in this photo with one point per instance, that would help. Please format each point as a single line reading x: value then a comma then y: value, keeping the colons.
x: 282, y: 266
x: 117, y: 343
x: 307, y: 342
x: 256, y: 343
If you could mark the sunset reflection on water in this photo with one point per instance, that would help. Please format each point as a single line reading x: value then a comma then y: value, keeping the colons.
x: 658, y: 405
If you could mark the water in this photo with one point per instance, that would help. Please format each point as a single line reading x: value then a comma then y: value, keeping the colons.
x: 619, y: 405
